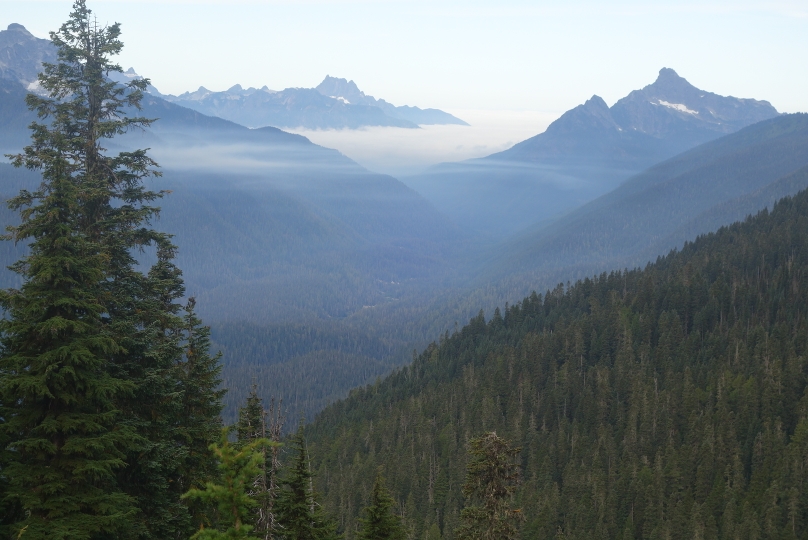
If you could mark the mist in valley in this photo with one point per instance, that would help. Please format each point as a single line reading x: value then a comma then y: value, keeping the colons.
x: 311, y: 250
x: 402, y: 152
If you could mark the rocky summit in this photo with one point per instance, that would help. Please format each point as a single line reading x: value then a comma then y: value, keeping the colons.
x: 658, y: 121
x: 22, y: 54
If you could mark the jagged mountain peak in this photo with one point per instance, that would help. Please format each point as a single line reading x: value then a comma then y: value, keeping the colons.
x: 593, y: 114
x: 336, y: 87
x: 22, y: 54
x: 596, y: 103
x: 653, y: 123
x: 671, y: 101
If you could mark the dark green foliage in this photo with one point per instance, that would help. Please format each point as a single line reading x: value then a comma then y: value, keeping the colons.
x: 664, y: 402
x: 491, y: 479
x: 60, y: 393
x: 251, y: 423
x: 300, y: 516
x: 109, y: 397
x: 380, y: 522
x: 199, y: 423
x: 238, y: 465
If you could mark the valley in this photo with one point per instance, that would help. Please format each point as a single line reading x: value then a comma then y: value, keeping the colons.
x: 620, y: 296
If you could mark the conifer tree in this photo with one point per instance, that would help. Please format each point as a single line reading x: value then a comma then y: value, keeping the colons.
x: 202, y: 396
x: 93, y: 382
x: 58, y: 387
x: 491, y: 479
x: 380, y: 523
x: 300, y: 516
x: 252, y: 425
x: 251, y: 422
x: 238, y: 465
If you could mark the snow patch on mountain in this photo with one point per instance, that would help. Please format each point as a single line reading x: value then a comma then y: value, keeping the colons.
x: 678, y: 106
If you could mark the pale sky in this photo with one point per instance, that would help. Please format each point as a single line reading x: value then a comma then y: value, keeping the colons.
x: 538, y: 57
x: 469, y: 54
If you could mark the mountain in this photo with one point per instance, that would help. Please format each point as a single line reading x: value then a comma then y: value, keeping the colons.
x: 22, y: 54
x: 347, y: 92
x: 277, y: 237
x: 659, y: 209
x: 668, y: 402
x: 588, y: 151
x: 334, y: 104
x: 325, y: 107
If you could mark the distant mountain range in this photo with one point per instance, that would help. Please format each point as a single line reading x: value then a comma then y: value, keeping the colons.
x: 317, y: 275
x: 588, y: 151
x: 333, y: 104
x: 272, y: 229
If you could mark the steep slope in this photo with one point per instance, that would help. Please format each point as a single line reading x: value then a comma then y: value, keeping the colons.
x: 14, y: 116
x: 588, y: 151
x: 669, y: 402
x: 691, y: 194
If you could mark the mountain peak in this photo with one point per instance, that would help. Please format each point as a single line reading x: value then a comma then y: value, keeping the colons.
x: 668, y: 79
x: 596, y: 102
x: 16, y: 27
x: 666, y: 74
x: 335, y: 87
x: 22, y: 54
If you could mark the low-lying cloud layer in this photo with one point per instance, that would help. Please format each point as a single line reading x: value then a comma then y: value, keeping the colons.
x: 401, y: 152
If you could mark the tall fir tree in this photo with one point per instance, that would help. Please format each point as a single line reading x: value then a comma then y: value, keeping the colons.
x: 380, y: 522
x: 300, y: 516
x: 93, y: 380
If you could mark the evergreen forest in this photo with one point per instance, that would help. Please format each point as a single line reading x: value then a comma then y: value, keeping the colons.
x: 660, y: 402
x: 664, y: 402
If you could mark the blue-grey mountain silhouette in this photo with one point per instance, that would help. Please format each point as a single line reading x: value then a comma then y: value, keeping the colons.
x: 334, y: 104
x: 588, y: 151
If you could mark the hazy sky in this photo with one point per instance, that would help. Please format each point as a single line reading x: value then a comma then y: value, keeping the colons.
x: 469, y: 54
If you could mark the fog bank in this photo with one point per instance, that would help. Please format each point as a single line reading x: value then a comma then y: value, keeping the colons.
x: 401, y: 152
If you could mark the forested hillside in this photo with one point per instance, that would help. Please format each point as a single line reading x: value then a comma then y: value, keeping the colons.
x: 667, y: 402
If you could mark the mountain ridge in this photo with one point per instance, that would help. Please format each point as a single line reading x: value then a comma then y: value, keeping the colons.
x: 586, y: 152
x: 333, y: 104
